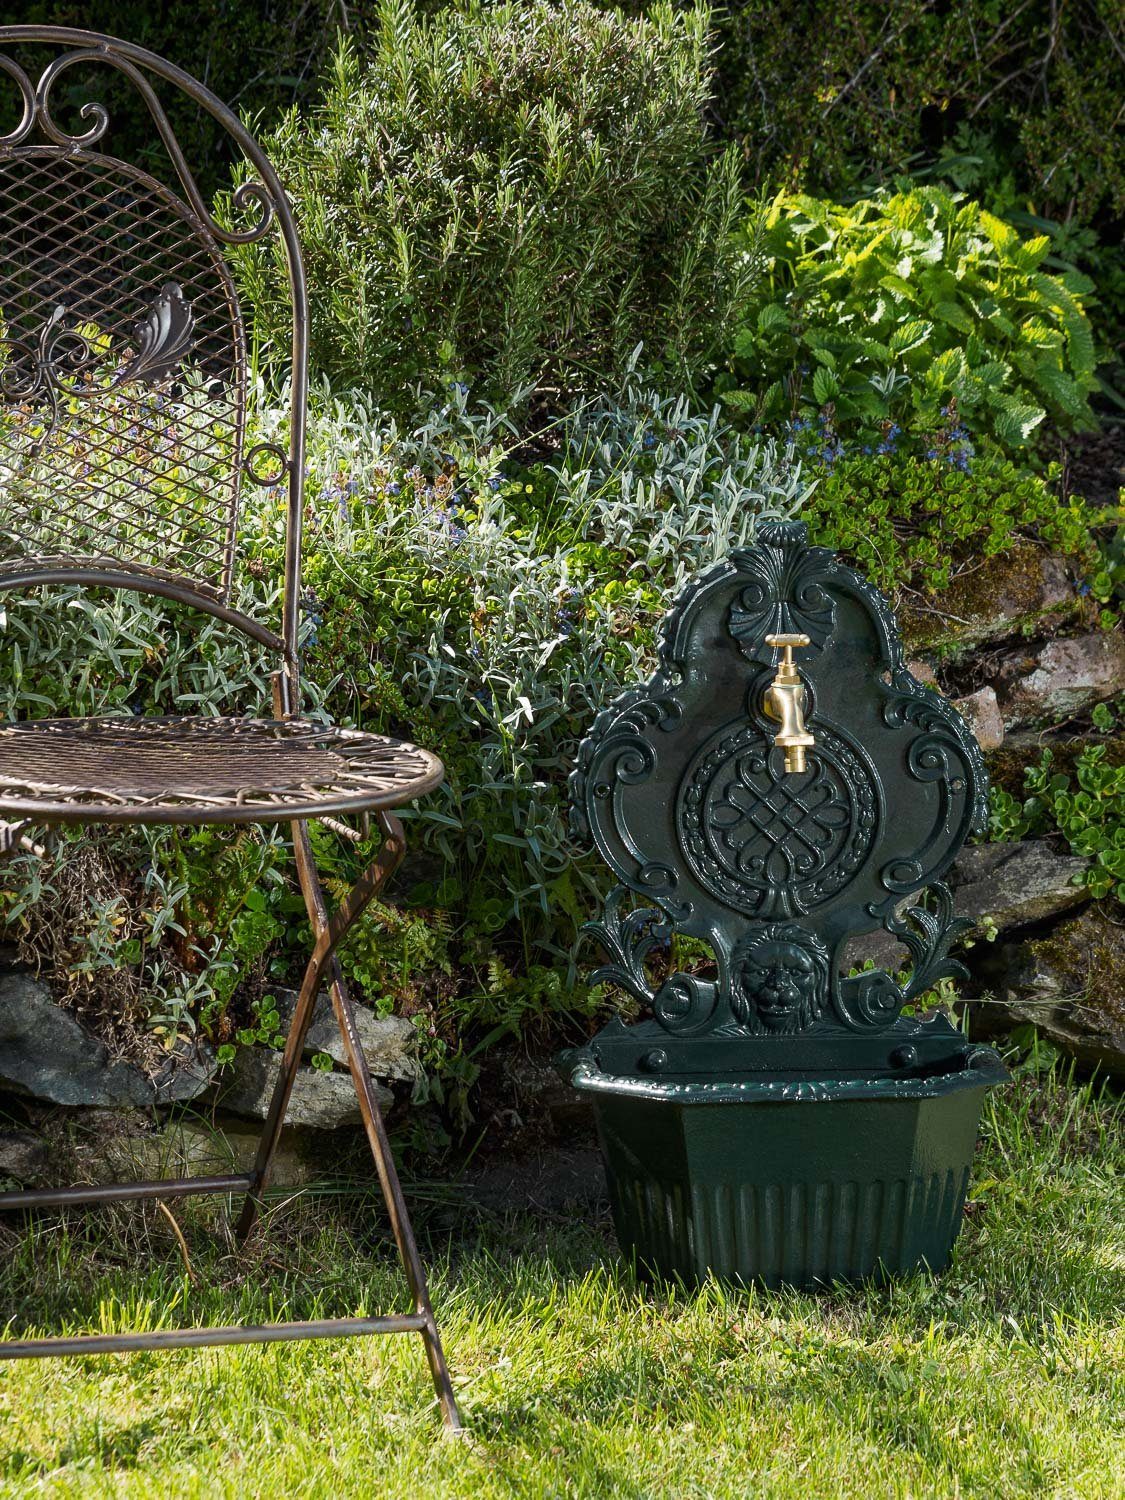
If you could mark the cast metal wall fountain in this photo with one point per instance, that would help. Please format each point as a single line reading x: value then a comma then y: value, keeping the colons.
x: 781, y: 787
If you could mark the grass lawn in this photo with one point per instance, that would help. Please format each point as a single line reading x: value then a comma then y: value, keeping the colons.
x: 1004, y: 1377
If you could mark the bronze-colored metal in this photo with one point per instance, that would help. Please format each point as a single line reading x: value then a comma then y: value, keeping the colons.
x: 123, y: 388
x: 202, y: 770
x: 195, y: 1338
x: 124, y: 1192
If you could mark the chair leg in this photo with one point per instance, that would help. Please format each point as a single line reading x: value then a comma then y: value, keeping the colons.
x: 329, y: 931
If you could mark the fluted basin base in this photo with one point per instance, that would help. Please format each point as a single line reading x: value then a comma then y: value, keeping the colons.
x: 802, y: 1187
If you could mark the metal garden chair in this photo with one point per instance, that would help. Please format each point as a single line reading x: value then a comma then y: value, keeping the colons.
x: 123, y: 395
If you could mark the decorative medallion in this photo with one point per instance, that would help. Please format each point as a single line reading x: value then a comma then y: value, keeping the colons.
x: 766, y: 842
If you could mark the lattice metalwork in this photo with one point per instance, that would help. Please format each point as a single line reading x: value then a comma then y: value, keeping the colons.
x: 122, y: 372
x: 202, y: 770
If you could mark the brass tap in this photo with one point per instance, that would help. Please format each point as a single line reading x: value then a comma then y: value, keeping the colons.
x: 785, y: 701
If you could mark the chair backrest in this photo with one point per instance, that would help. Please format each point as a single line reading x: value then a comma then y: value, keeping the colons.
x: 123, y: 348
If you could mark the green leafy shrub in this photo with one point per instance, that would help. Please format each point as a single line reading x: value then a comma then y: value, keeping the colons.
x: 511, y: 194
x: 488, y: 610
x: 1086, y: 808
x: 913, y: 318
x: 919, y: 520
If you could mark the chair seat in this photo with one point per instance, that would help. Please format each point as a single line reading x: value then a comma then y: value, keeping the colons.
x: 202, y: 770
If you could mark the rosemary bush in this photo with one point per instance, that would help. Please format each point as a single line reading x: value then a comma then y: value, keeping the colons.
x: 508, y: 193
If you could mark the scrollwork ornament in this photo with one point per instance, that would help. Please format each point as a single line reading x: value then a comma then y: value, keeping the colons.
x: 627, y: 938
x: 251, y: 197
x: 616, y: 750
x: 685, y: 1004
x: 63, y: 365
x: 27, y: 95
x: 909, y: 702
x: 928, y: 936
x: 784, y: 590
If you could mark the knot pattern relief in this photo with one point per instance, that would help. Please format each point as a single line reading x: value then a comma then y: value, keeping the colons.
x: 765, y: 842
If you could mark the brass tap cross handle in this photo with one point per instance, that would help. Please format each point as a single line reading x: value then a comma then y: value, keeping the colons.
x: 785, y: 701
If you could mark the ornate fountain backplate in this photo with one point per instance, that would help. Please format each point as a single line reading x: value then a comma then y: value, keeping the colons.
x: 689, y: 799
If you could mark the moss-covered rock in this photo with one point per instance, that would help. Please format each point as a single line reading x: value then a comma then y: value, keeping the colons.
x: 1022, y: 589
x: 1070, y: 985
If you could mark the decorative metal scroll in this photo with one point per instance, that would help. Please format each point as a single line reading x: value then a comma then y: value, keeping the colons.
x: 687, y: 798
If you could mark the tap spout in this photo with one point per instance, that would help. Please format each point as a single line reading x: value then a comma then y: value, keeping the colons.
x: 785, y: 702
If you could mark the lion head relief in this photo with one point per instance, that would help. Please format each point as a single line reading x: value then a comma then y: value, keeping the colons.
x: 779, y: 978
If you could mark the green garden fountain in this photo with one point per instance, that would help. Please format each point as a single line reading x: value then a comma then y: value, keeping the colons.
x: 781, y: 788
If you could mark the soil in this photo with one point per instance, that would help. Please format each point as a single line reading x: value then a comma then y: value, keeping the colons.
x: 1094, y: 465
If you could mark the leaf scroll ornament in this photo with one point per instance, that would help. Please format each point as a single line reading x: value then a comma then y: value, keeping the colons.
x: 783, y: 594
x: 163, y: 338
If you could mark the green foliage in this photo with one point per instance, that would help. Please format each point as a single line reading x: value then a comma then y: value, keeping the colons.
x: 919, y: 520
x: 509, y: 194
x: 832, y: 96
x: 256, y: 55
x: 1086, y: 808
x: 913, y: 312
x: 483, y: 608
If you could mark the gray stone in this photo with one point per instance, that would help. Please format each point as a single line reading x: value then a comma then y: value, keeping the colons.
x: 193, y: 1148
x: 23, y: 1155
x: 189, y: 1071
x: 324, y: 1101
x: 1068, y: 677
x: 44, y: 1052
x: 389, y: 1042
x: 981, y: 712
x: 1016, y: 883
